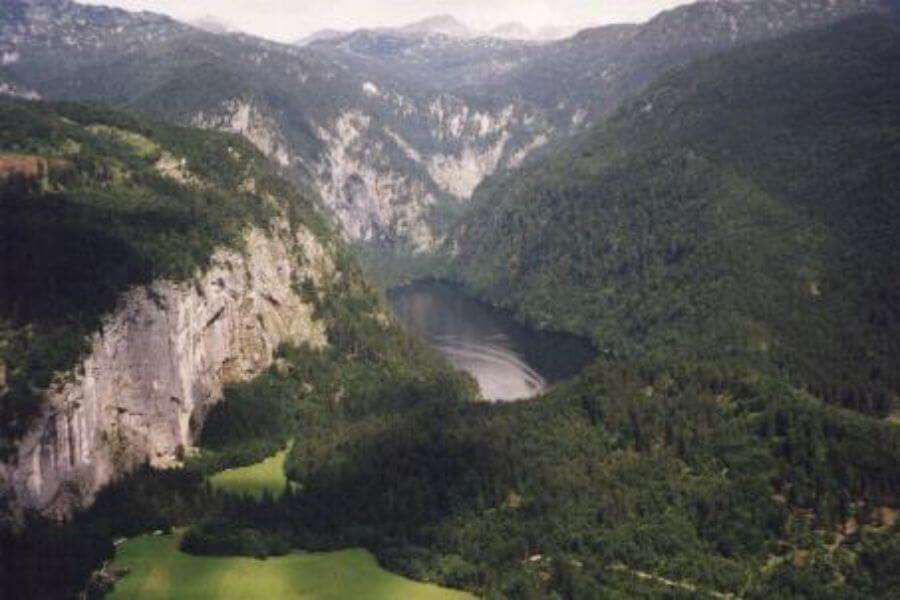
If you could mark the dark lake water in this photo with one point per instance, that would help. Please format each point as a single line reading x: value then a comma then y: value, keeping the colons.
x: 509, y: 361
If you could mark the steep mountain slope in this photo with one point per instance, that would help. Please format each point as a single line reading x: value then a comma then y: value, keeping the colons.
x: 727, y: 233
x: 162, y: 289
x: 319, y: 36
x: 578, y: 80
x: 729, y: 238
x: 589, y: 75
x: 430, y: 61
x: 395, y: 129
x: 141, y: 269
x: 389, y: 159
x: 745, y: 206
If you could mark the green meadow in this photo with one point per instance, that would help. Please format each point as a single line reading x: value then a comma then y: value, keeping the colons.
x: 255, y: 480
x: 157, y: 569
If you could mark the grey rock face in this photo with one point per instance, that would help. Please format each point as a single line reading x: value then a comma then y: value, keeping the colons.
x: 159, y: 364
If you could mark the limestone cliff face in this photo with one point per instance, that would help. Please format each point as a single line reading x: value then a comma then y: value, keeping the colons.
x: 359, y: 180
x: 159, y: 364
x: 383, y: 183
x: 386, y: 162
x: 248, y: 119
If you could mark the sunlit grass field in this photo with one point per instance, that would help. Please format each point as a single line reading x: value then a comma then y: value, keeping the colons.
x: 157, y: 569
x: 256, y: 479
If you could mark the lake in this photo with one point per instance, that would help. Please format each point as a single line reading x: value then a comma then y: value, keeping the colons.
x: 509, y: 360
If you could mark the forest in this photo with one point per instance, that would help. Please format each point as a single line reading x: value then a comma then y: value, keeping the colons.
x: 106, y: 220
x: 744, y: 206
x: 737, y: 436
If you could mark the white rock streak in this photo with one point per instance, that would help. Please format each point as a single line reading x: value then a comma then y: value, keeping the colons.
x: 245, y: 118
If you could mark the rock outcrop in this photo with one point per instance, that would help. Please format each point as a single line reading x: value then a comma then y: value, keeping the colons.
x: 246, y: 118
x: 385, y: 185
x: 158, y: 365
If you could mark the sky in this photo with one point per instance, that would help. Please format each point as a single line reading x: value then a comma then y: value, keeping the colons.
x: 289, y: 20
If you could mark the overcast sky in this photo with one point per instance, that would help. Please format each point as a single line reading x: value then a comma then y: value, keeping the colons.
x: 289, y: 20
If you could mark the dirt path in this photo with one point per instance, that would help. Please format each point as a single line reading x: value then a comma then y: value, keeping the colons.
x: 681, y: 585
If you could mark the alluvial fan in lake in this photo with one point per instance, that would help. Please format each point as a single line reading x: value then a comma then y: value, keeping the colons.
x: 509, y: 361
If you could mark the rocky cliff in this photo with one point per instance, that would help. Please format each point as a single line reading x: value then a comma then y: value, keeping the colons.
x: 385, y: 167
x: 159, y: 363
x: 387, y: 172
x: 143, y: 268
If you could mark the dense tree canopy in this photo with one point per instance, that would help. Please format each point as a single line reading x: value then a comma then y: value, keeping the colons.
x: 744, y: 206
x: 728, y: 240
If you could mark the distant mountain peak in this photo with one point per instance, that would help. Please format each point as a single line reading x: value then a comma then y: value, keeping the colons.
x: 442, y: 24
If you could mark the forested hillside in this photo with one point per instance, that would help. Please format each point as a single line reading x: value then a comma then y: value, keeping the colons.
x: 729, y: 239
x: 744, y: 209
x: 96, y: 202
x: 111, y: 226
x: 395, y: 129
x: 601, y: 67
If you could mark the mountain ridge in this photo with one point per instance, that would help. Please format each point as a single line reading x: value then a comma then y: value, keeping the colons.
x: 394, y: 130
x: 712, y: 197
x: 692, y: 136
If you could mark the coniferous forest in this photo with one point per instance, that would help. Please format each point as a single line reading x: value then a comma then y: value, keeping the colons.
x: 728, y: 239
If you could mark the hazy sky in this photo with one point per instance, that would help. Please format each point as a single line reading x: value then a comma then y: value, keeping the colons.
x: 291, y: 19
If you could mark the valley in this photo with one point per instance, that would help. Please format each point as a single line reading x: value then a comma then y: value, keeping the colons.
x: 395, y: 129
x: 438, y: 311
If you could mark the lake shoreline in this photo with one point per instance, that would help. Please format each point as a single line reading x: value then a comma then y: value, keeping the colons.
x: 510, y: 360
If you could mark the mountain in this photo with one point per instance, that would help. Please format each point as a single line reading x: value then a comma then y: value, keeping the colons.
x: 586, y: 77
x: 431, y: 62
x: 575, y: 82
x: 163, y: 290
x: 142, y: 269
x: 442, y: 25
x: 517, y: 31
x: 718, y: 212
x: 742, y: 207
x: 392, y: 160
x: 394, y: 129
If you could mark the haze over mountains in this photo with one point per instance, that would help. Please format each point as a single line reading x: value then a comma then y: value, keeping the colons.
x: 711, y: 197
x: 396, y: 130
x: 452, y: 27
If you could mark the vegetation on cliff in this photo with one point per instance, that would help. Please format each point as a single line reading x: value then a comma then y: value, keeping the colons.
x: 729, y: 240
x: 96, y: 201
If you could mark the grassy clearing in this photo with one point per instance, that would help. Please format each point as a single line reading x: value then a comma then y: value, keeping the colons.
x: 157, y: 569
x: 255, y: 480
